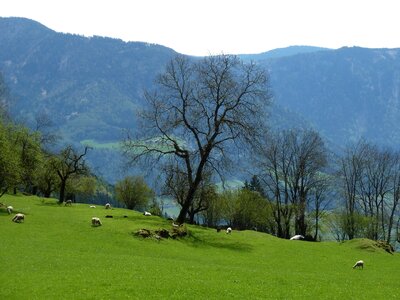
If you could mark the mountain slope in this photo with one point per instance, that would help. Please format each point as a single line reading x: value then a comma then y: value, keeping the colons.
x: 346, y: 94
x: 92, y: 87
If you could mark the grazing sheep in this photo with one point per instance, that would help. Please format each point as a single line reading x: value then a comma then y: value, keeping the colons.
x: 108, y: 206
x: 359, y: 264
x: 229, y: 230
x: 146, y: 213
x: 96, y: 221
x: 92, y: 206
x: 297, y: 237
x: 18, y: 218
x: 10, y: 209
x: 176, y: 225
x: 68, y: 202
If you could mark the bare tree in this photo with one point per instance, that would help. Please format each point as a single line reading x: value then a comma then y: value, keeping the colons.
x: 375, y: 185
x: 199, y: 111
x: 310, y: 158
x: 393, y: 205
x: 351, y: 166
x: 70, y: 163
x: 276, y: 160
x: 45, y: 126
x: 320, y: 197
x: 292, y: 161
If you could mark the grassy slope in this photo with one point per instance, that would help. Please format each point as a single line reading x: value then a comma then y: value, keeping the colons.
x: 57, y: 254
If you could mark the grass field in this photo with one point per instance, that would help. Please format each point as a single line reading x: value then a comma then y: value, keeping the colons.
x: 57, y: 254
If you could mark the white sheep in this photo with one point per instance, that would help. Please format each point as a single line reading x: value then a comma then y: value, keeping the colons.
x: 297, y: 237
x: 68, y: 202
x: 108, y: 206
x: 10, y: 209
x: 18, y: 218
x: 96, y: 221
x: 229, y: 230
x: 359, y: 264
x: 146, y: 213
x: 92, y: 206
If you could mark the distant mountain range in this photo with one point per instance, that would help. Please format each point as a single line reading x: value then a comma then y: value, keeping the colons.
x: 92, y: 86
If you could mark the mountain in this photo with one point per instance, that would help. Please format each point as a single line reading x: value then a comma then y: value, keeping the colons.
x: 281, y: 52
x: 91, y: 87
x: 346, y: 94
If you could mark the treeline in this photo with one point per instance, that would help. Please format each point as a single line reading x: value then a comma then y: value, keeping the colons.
x: 28, y: 166
x: 300, y: 187
x: 32, y: 162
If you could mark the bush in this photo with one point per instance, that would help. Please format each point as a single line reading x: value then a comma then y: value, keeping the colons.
x: 133, y: 192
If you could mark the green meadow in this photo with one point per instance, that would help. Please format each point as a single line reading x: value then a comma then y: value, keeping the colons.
x: 56, y: 254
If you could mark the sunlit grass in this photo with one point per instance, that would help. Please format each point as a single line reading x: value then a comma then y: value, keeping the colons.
x: 57, y: 254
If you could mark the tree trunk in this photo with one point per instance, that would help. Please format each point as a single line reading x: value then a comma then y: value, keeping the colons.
x: 391, y: 220
x: 34, y: 190
x: 184, y: 210
x: 316, y: 222
x: 316, y: 228
x: 301, y: 226
x: 62, y: 190
x: 191, y: 217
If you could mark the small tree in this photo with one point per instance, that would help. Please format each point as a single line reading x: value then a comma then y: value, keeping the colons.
x: 245, y: 209
x: 133, y: 192
x: 68, y: 164
x: 213, y: 215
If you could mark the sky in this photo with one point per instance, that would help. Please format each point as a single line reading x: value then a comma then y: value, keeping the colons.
x: 203, y: 27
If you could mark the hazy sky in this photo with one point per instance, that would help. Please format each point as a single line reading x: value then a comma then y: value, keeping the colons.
x: 202, y: 27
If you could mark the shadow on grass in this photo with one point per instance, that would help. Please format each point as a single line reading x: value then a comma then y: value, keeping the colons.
x: 196, y: 241
x: 48, y: 202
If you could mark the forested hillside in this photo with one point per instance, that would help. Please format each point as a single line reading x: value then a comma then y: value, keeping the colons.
x: 91, y: 87
x: 346, y: 94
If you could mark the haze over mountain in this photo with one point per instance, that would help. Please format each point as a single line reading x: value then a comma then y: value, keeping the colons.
x: 91, y: 87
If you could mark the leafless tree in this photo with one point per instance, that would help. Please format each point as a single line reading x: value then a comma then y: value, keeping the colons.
x: 276, y: 160
x: 310, y: 158
x: 70, y: 163
x: 45, y: 126
x: 350, y: 170
x: 292, y: 161
x: 393, y: 205
x: 375, y: 185
x: 199, y: 111
x: 321, y: 195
